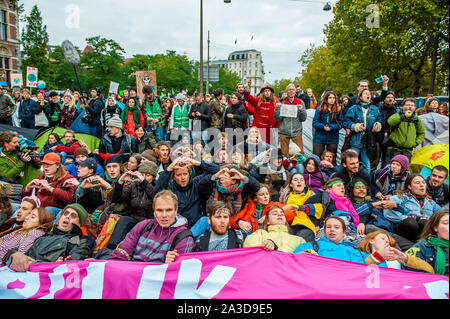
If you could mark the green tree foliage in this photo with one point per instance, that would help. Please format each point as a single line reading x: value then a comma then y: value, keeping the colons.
x: 104, y: 64
x: 34, y: 42
x: 401, y: 46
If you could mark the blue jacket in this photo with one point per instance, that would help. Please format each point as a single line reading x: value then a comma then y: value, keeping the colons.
x: 407, y: 206
x: 25, y: 109
x: 128, y: 145
x: 95, y: 109
x: 344, y: 251
x: 319, y: 122
x: 47, y: 147
x: 73, y: 169
x: 355, y: 116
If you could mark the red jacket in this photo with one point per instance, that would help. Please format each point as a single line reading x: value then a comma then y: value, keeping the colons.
x: 60, y: 197
x: 68, y: 149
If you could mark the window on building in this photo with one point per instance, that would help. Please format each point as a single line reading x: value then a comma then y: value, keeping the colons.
x: 4, y: 26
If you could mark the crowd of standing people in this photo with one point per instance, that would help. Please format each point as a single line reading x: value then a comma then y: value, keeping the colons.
x: 179, y: 174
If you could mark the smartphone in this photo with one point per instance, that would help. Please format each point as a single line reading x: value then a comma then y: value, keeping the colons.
x: 379, y: 79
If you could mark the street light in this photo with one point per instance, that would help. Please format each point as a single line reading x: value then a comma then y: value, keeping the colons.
x: 326, y: 7
x: 201, y: 43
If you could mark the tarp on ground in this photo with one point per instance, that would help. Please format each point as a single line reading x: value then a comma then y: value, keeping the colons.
x: 436, y: 128
x: 250, y: 273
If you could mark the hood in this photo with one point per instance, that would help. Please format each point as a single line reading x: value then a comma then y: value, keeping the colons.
x: 179, y: 221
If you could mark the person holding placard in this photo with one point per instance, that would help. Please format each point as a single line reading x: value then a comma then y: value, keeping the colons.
x: 291, y: 113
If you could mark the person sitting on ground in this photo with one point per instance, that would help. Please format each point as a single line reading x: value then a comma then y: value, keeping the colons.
x: 80, y: 154
x: 334, y: 245
x: 229, y: 184
x: 277, y: 176
x: 411, y: 208
x: 137, y: 197
x: 6, y: 208
x: 391, y: 178
x: 252, y: 216
x: 369, y: 210
x: 380, y: 240
x: 63, y: 242
x: 327, y: 163
x: 274, y: 234
x: 323, y: 204
x: 158, y: 240
x: 146, y: 140
x: 436, y: 186
x: 69, y: 148
x: 50, y: 186
x: 220, y: 236
x: 12, y: 166
x: 351, y: 169
x: 116, y: 140
x: 433, y: 244
x: 52, y: 141
x: 162, y: 150
x: 314, y: 177
x: 25, y: 208
x: 191, y: 202
x: 22, y: 237
x: 294, y: 163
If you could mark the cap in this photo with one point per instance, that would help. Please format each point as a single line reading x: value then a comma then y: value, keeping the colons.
x: 148, y: 167
x: 89, y: 162
x: 51, y: 158
x: 115, y: 122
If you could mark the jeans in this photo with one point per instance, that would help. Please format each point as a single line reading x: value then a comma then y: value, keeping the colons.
x: 27, y: 123
x: 362, y: 152
x: 200, y: 227
x: 158, y: 132
x: 96, y: 131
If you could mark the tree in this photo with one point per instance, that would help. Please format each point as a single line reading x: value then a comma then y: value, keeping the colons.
x: 102, y: 65
x: 34, y: 41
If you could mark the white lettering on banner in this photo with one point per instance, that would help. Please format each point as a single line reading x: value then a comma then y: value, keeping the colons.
x: 373, y: 280
x: 151, y: 282
x: 57, y: 281
x: 17, y: 285
x: 92, y: 285
x: 437, y: 289
x: 189, y: 278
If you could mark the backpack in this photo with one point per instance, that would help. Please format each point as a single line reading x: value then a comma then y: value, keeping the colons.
x: 178, y: 237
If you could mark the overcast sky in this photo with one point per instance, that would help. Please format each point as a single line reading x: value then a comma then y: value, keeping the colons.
x: 281, y: 29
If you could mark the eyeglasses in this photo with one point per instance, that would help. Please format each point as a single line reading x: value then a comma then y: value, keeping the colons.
x: 72, y: 215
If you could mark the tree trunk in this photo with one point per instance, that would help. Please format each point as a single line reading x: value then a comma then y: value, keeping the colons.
x: 433, y: 64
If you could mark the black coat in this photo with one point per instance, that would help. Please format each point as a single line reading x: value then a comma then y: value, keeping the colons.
x: 139, y: 199
x: 205, y: 116
x: 235, y: 240
x: 239, y: 119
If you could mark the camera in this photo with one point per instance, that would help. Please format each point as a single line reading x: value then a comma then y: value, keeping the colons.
x: 30, y: 150
x: 87, y: 118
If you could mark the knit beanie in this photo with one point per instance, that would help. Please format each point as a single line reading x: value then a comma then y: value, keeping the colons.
x: 148, y: 167
x: 315, y: 157
x: 403, y: 160
x: 82, y: 213
x: 80, y: 151
x: 115, y: 122
x: 114, y: 159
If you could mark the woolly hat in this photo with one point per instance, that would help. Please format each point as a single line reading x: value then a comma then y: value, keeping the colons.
x: 315, y: 157
x: 148, y: 167
x: 294, y: 149
x: 82, y: 213
x: 115, y: 122
x: 180, y: 96
x: 80, y: 151
x: 114, y: 159
x: 403, y: 160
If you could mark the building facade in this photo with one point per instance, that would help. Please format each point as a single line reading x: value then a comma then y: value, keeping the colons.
x: 247, y: 64
x: 9, y: 41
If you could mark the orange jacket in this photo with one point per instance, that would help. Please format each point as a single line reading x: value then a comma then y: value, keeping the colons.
x: 246, y: 214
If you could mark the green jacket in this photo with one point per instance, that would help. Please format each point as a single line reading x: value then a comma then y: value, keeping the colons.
x: 406, y: 133
x: 11, y: 167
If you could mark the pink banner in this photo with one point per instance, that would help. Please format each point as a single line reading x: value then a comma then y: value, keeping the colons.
x: 251, y: 273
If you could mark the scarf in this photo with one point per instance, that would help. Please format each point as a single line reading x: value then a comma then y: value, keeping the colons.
x: 344, y: 204
x: 439, y: 264
x: 420, y: 199
x: 360, y: 200
x: 232, y: 193
x: 135, y: 111
x: 386, y: 181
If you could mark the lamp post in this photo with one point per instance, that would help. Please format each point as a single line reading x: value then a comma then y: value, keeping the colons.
x: 201, y: 44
